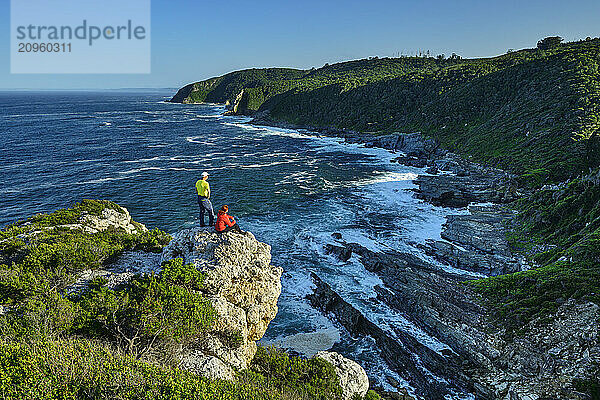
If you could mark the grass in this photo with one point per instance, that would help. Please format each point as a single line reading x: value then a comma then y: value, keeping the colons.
x: 558, y: 229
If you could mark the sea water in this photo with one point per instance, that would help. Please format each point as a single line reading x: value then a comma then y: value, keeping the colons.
x: 290, y: 188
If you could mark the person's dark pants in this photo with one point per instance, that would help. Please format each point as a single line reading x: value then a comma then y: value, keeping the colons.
x: 206, y: 207
x: 235, y: 228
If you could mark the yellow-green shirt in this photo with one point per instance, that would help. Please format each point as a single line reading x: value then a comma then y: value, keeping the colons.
x: 202, y: 187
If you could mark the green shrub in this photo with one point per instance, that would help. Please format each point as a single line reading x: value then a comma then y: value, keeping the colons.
x: 165, y: 307
x: 39, y: 254
x: 73, y: 214
x: 521, y: 297
x: 80, y: 369
x: 371, y: 395
x: 591, y: 387
x: 558, y: 228
x: 313, y: 378
x: 95, y: 344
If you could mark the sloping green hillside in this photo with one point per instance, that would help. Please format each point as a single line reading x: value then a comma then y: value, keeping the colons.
x: 560, y: 230
x: 532, y: 111
x: 227, y: 87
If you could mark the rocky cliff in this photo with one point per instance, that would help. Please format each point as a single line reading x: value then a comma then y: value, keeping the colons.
x: 242, y: 286
x: 549, y: 356
x: 103, y: 288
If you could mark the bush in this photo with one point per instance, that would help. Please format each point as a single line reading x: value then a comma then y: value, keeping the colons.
x: 591, y: 387
x: 551, y: 42
x: 167, y: 307
x: 81, y: 369
x: 40, y: 254
x: 521, y: 297
x: 95, y: 344
x: 371, y: 395
x: 313, y: 378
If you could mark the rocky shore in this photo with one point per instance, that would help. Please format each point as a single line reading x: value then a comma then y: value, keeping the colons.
x: 481, y: 358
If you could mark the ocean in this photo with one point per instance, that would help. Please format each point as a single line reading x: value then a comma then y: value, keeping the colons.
x: 290, y: 188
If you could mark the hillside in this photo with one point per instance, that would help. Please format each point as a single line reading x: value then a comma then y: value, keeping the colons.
x: 533, y: 112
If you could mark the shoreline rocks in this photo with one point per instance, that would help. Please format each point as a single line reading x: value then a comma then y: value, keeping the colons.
x: 539, y: 366
x: 477, y: 242
x: 403, y: 353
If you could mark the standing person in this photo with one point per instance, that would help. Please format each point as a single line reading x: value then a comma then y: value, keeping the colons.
x: 225, y: 222
x: 203, y: 189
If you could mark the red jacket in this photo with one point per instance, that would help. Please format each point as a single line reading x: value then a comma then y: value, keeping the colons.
x: 223, y: 220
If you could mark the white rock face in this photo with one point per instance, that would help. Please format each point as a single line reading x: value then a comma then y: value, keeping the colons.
x: 208, y: 366
x: 353, y: 377
x: 243, y: 287
x: 110, y: 218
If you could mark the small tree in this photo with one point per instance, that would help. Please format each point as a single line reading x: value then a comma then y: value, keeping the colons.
x: 551, y: 42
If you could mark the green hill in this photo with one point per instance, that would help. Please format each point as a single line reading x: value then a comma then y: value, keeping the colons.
x: 532, y: 111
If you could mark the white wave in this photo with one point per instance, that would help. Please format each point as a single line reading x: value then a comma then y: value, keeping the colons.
x: 9, y: 191
x: 182, y: 169
x: 387, y: 177
x: 101, y: 180
x: 265, y: 165
x: 142, y: 160
x: 198, y: 140
x: 136, y: 170
x: 243, y: 126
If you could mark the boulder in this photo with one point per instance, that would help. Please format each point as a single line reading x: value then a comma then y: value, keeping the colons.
x: 242, y: 286
x: 477, y: 241
x: 465, y: 182
x: 353, y: 378
x: 110, y: 218
x: 411, y: 161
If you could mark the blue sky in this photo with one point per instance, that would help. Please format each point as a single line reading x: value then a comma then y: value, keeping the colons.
x: 194, y: 40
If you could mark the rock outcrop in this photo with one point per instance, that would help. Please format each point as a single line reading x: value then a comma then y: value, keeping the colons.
x: 541, y: 364
x: 243, y: 287
x: 353, y: 378
x: 544, y: 363
x: 110, y: 218
x: 477, y: 242
x: 435, y: 303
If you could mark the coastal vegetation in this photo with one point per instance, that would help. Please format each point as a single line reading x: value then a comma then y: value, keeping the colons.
x: 558, y: 229
x: 533, y: 112
x: 61, y: 340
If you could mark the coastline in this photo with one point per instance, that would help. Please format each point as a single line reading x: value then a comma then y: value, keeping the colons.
x: 483, y: 360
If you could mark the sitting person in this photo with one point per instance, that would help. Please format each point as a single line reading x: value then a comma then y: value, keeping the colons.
x: 226, y: 223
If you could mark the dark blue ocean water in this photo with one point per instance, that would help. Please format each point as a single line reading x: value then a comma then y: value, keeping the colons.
x: 290, y: 189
